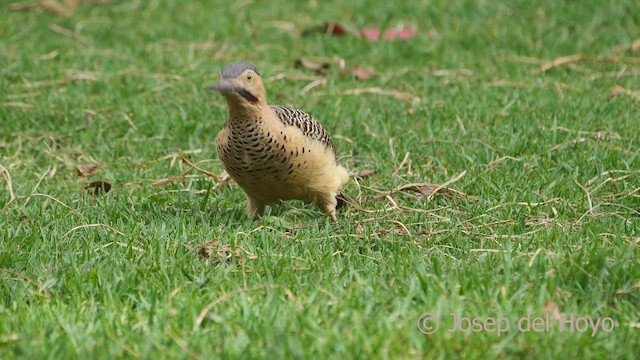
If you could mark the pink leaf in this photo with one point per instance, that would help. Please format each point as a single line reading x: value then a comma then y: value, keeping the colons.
x: 373, y: 34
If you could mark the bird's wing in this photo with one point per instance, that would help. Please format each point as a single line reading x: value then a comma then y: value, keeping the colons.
x: 309, y: 126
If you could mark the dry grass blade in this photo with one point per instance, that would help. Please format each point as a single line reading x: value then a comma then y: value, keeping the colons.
x: 449, y: 182
x: 205, y: 311
x: 376, y: 90
x: 17, y: 104
x: 319, y: 68
x: 208, y: 173
x: 422, y: 189
x: 66, y: 32
x: 572, y: 59
x: 315, y: 83
x: 634, y: 47
x: 619, y: 90
x: 184, y: 346
x: 559, y: 62
x: 353, y: 205
x: 429, y: 189
x: 425, y: 189
x: 94, y: 225
x: 37, y: 195
x: 12, y: 196
x: 54, y: 7
x: 128, y: 349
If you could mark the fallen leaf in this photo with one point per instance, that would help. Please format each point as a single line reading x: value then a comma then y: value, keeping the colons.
x: 98, y: 187
x: 320, y: 68
x: 373, y: 34
x: 361, y: 73
x: 400, y: 34
x: 334, y: 29
x: 291, y: 230
x: 327, y: 28
x: 370, y: 34
x: 221, y: 253
x: 86, y: 170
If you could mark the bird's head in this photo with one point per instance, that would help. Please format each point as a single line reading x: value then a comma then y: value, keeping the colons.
x: 241, y: 85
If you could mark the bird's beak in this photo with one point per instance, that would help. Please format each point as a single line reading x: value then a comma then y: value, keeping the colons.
x: 226, y: 85
x: 222, y: 85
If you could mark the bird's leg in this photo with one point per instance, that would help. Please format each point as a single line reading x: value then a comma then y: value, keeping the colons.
x: 328, y: 205
x: 255, y: 207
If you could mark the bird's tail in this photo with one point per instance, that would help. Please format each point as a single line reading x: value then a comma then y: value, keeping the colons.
x: 341, y: 201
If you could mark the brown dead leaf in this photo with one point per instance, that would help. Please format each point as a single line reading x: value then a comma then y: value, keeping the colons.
x: 361, y: 73
x: 319, y: 68
x: 98, y: 187
x: 329, y: 28
x: 218, y: 252
x: 359, y: 229
x: 291, y: 231
x: 87, y: 169
x: 376, y: 90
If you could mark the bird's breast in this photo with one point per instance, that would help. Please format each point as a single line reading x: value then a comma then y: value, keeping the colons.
x: 273, y: 161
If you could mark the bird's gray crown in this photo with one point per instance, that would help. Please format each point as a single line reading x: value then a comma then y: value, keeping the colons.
x: 235, y: 69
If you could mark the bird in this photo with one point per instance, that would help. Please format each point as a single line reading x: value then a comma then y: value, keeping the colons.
x: 274, y: 152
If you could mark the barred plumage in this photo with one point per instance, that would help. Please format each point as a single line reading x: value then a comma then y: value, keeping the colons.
x: 310, y: 127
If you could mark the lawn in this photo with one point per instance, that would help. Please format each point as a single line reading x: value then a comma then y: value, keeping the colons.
x: 495, y: 160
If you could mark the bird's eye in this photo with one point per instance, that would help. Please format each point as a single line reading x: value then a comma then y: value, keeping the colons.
x: 249, y: 77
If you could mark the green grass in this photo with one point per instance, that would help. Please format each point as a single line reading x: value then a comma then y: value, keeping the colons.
x: 551, y: 164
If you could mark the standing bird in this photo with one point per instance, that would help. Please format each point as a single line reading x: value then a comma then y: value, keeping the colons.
x: 274, y: 152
